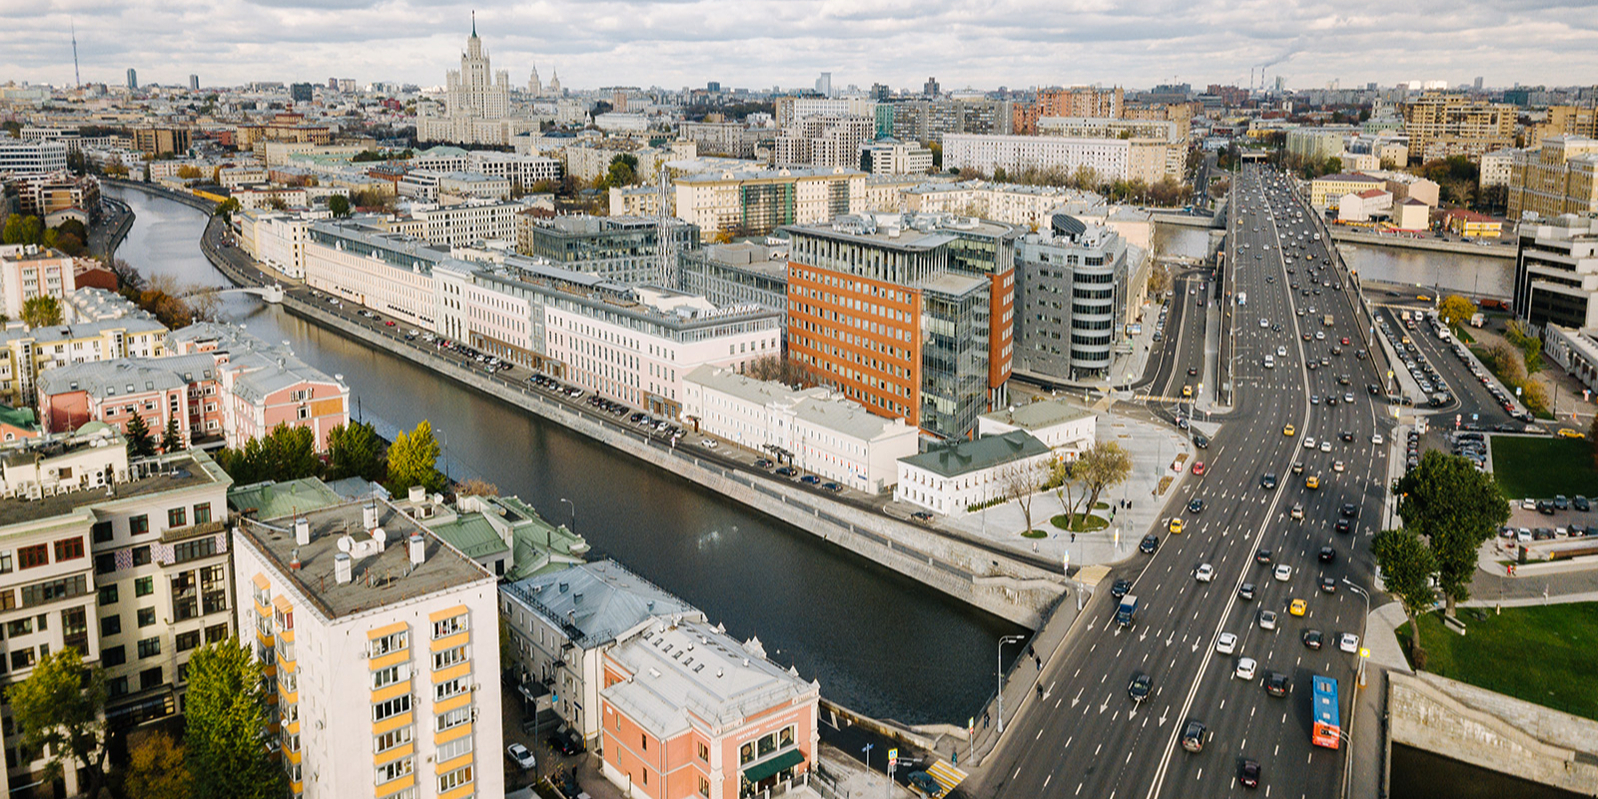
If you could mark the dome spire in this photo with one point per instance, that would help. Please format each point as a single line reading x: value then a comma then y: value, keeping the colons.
x: 474, y: 23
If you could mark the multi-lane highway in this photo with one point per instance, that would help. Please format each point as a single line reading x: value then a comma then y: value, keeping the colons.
x: 1086, y: 736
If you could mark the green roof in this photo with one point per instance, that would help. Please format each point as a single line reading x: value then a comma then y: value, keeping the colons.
x: 983, y: 453
x: 541, y: 547
x: 472, y: 535
x: 22, y: 418
x: 276, y: 500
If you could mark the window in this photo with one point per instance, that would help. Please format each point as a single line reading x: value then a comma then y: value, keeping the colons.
x: 188, y: 640
x: 5, y: 563
x: 388, y: 772
x: 191, y: 550
x: 450, y: 780
x: 101, y: 532
x: 146, y: 617
x: 452, y: 749
x: 391, y: 675
x: 108, y: 595
x: 149, y: 647
x: 704, y: 787
x: 704, y: 751
x: 105, y: 564
x: 389, y: 643
x: 177, y: 517
x: 449, y: 626
x: 19, y: 627
x: 110, y: 625
x: 144, y: 586
x: 116, y: 686
x: 216, y: 632
x: 54, y: 590
x: 68, y: 549
x: 450, y: 688
x: 139, y: 524
x: 141, y: 555
x: 452, y: 719
x: 149, y: 678
x: 202, y: 513
x: 449, y: 657
x: 29, y: 557
x: 391, y: 739
x: 393, y: 707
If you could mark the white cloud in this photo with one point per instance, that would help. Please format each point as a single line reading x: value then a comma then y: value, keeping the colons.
x: 761, y: 43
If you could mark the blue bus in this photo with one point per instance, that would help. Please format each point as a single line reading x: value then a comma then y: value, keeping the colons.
x: 1327, y: 727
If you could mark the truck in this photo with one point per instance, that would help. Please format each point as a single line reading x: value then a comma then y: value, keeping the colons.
x: 1327, y: 321
x: 1242, y: 298
x: 1478, y: 319
x: 1127, y: 612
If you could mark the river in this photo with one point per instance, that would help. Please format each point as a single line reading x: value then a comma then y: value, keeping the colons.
x: 878, y: 642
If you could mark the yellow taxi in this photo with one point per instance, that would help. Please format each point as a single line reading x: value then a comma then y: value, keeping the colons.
x: 1288, y: 430
x: 1312, y: 482
x: 1175, y: 526
x: 1298, y: 607
x: 1187, y: 391
x: 1565, y: 432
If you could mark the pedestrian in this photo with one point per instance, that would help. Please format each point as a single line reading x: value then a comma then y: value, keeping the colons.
x: 984, y: 719
x: 1040, y: 662
x: 1040, y: 690
x: 1030, y: 652
x: 1073, y: 538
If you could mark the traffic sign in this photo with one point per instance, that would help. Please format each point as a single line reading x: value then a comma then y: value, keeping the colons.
x: 1364, y: 652
x: 893, y: 758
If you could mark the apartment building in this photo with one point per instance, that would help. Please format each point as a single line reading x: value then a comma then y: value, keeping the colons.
x: 617, y: 249
x: 687, y: 710
x: 1560, y: 176
x: 1497, y: 167
x: 1556, y: 272
x: 1109, y: 159
x: 1071, y: 300
x: 524, y: 171
x: 909, y: 315
x: 125, y: 560
x: 560, y: 624
x: 28, y: 271
x: 953, y: 478
x: 816, y: 430
x: 1327, y: 190
x: 381, y: 646
x: 1010, y: 203
x: 1441, y: 125
x: 757, y: 203
x: 824, y: 141
x: 1562, y: 120
x: 28, y: 158
x: 181, y: 389
x: 49, y: 195
x: 893, y: 157
x: 153, y: 140
x: 1317, y: 144
x: 1077, y: 101
x: 456, y: 187
x: 27, y: 352
x: 277, y: 239
x: 388, y: 272
x: 931, y: 120
x: 719, y: 138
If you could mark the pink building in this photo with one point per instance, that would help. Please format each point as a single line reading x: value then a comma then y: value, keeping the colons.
x: 689, y: 711
x: 263, y: 385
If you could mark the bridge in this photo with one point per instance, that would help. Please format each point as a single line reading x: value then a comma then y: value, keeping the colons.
x: 271, y: 294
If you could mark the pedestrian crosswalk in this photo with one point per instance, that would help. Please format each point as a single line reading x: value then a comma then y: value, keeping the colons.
x: 946, y: 774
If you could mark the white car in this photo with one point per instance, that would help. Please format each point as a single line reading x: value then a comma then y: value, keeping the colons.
x: 1245, y: 668
x: 1267, y: 620
x: 520, y: 756
x: 1326, y: 445
x: 708, y: 443
x: 1265, y: 323
x: 1376, y: 438
x: 1282, y: 572
x: 1281, y: 352
x: 1348, y: 642
x: 1528, y: 504
x: 1226, y: 644
x: 1205, y: 573
x: 1309, y: 442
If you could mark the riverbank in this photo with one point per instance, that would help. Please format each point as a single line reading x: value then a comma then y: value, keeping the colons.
x: 108, y: 235
x: 1346, y: 235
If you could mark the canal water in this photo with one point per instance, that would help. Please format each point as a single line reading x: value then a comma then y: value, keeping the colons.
x: 1419, y: 774
x: 878, y: 642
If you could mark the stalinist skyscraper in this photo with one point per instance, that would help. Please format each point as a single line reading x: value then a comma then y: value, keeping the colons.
x: 476, y: 103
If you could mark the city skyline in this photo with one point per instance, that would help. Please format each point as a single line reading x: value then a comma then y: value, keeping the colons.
x: 669, y: 44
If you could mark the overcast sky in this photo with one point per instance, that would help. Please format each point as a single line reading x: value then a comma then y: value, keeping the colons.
x: 763, y: 43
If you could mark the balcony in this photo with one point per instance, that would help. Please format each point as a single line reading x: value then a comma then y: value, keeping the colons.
x: 193, y: 531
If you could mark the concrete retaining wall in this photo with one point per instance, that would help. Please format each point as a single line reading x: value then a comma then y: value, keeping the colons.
x: 1460, y: 247
x: 1493, y: 731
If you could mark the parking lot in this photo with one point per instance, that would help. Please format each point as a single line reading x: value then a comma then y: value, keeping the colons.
x: 1450, y: 377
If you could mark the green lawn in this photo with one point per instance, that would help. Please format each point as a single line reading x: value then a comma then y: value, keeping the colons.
x: 1542, y: 467
x: 1543, y: 654
x: 1079, y: 523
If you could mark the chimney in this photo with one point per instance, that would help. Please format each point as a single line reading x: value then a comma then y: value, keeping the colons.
x: 369, y: 516
x: 294, y: 559
x: 342, y: 566
x: 418, y: 549
x: 302, y: 531
x: 418, y: 495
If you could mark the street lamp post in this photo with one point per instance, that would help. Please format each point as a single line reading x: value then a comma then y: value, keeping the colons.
x: 1008, y: 639
x: 1348, y: 760
x: 574, y: 512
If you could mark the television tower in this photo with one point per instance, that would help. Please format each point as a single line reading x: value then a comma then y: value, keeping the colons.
x: 77, y: 79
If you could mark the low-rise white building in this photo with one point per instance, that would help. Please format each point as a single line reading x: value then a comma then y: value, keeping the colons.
x: 1062, y: 427
x: 1362, y: 206
x: 816, y: 430
x: 952, y: 478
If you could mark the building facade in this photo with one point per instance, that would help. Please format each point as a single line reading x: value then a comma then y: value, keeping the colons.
x: 964, y: 474
x: 1556, y: 272
x: 1071, y: 299
x: 758, y: 203
x: 1560, y: 176
x: 1108, y: 159
x: 1441, y: 125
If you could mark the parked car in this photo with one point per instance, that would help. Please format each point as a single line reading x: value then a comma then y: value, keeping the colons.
x: 521, y: 757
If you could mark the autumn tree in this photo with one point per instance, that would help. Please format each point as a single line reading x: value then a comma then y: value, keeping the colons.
x: 59, y: 709
x: 1021, y: 482
x: 1159, y: 279
x: 1455, y: 310
x: 156, y: 770
x: 1101, y: 466
x: 477, y: 487
x: 225, y: 709
x: 41, y: 311
x: 412, y: 460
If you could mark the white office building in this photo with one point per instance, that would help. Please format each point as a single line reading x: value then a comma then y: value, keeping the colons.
x: 29, y: 158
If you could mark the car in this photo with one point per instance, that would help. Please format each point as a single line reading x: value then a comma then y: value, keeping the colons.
x: 763, y: 463
x: 1245, y: 668
x: 1563, y: 432
x: 1326, y: 445
x: 1248, y: 774
x: 1309, y: 442
x: 1348, y: 642
x: 1262, y: 556
x: 1198, y: 467
x: 708, y: 443
x: 1580, y: 503
x: 1561, y: 502
x: 1346, y: 436
x: 1192, y: 371
x: 1297, y: 607
x: 1193, y: 736
x: 1311, y: 638
x: 786, y: 471
x: 1140, y: 687
x: 1298, y: 468
x: 1277, y: 684
x: 1337, y: 466
x: 1205, y: 573
x: 810, y: 479
x: 1349, y: 510
x: 1226, y: 644
x: 389, y: 323
x: 1120, y: 588
x: 833, y: 487
x: 1282, y: 572
x: 1320, y: 335
x: 1312, y: 482
x: 1187, y: 391
x: 920, y: 515
x: 1314, y: 399
x: 1528, y: 504
x: 1149, y: 543
x: 1267, y: 619
x: 1193, y: 507
x: 1246, y: 591
x: 925, y: 783
x: 1328, y: 555
x: 1297, y: 512
x: 1328, y: 585
x: 1201, y: 442
x: 520, y: 756
x: 1281, y: 352
x: 565, y: 742
x: 1288, y: 430
x: 1268, y: 481
x: 1345, y: 340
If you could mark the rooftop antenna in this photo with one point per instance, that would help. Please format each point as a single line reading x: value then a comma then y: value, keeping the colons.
x: 77, y: 79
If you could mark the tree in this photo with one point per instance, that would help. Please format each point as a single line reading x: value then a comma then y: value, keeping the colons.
x: 138, y: 436
x: 1456, y: 508
x: 477, y: 488
x: 59, y: 708
x: 171, y: 439
x: 1062, y: 475
x: 227, y: 208
x: 339, y: 205
x: 1101, y: 466
x: 1159, y: 279
x: 1021, y: 484
x: 22, y: 229
x: 190, y: 173
x: 623, y: 170
x: 226, y: 726
x: 411, y: 460
x: 156, y: 770
x: 1407, y: 566
x: 353, y: 451
x: 41, y: 311
x: 1455, y: 310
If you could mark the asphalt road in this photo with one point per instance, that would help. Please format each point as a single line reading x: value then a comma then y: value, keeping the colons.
x: 1086, y: 737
